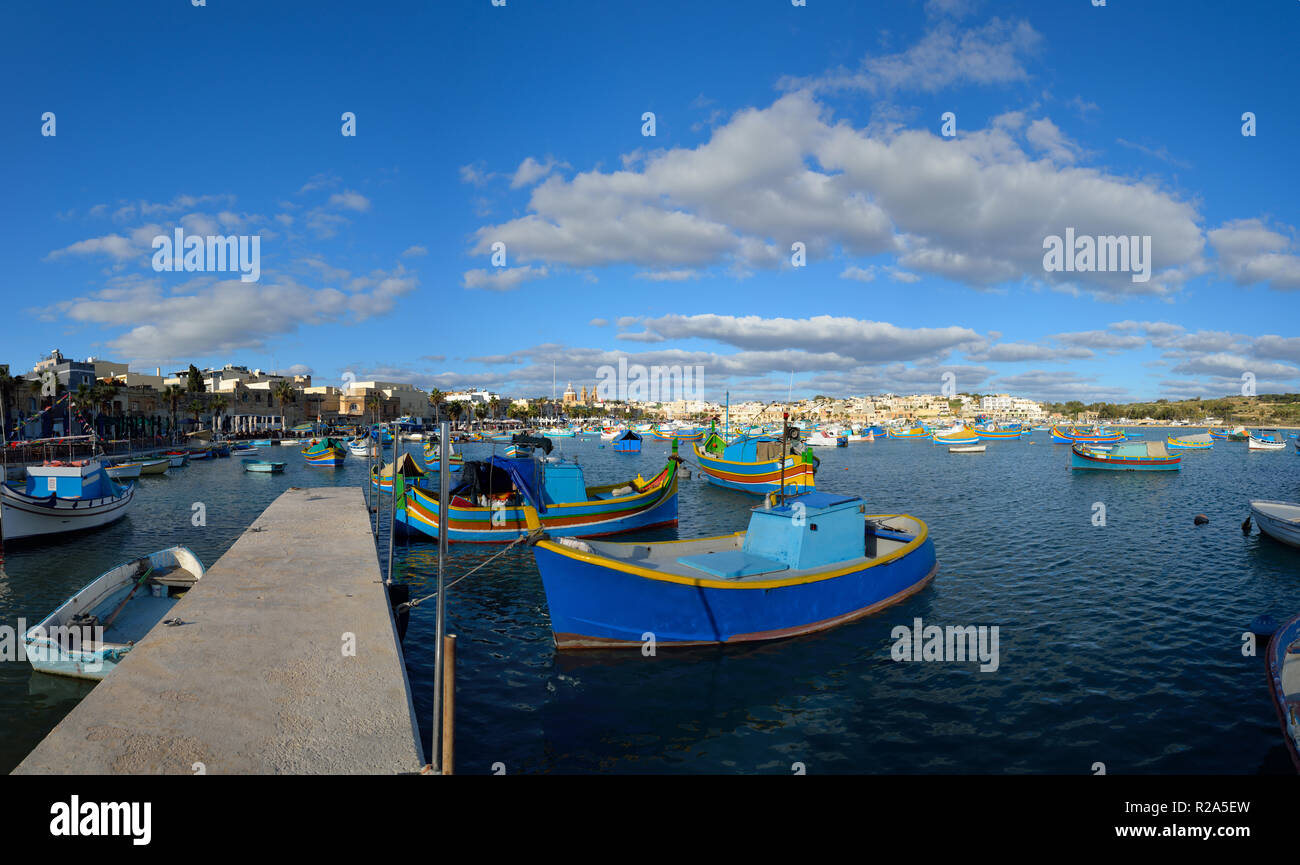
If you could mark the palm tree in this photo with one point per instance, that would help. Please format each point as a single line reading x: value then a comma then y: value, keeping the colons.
x: 480, y: 412
x: 194, y: 407
x: 8, y: 385
x: 218, y: 405
x: 173, y: 393
x: 436, y: 399
x: 454, y: 410
x: 495, y: 406
x: 285, y: 393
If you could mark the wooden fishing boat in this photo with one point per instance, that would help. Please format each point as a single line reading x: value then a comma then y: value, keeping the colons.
x: 758, y: 465
x: 1237, y: 434
x: 1284, y: 683
x: 431, y: 456
x: 1279, y: 520
x: 177, y: 459
x: 813, y: 562
x: 263, y: 443
x: 991, y: 434
x: 326, y: 453
x: 626, y: 442
x: 1132, y: 457
x: 126, y: 602
x: 62, y: 497
x: 263, y: 466
x: 959, y: 436
x: 1094, y: 436
x: 405, y: 465
x: 609, y: 433
x: 1201, y: 442
x: 967, y: 449
x: 913, y: 433
x: 1270, y: 441
x: 488, y: 502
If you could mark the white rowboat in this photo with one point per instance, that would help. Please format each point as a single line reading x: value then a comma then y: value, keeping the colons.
x: 1278, y: 520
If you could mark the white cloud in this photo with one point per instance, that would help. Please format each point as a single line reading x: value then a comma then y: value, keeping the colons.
x: 1251, y: 252
x: 501, y: 278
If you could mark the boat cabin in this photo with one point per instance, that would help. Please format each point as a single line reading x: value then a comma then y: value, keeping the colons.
x: 84, y: 479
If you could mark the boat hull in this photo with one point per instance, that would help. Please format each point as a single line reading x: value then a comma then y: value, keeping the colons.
x: 1275, y: 523
x: 1084, y: 457
x: 104, y: 596
x: 1284, y: 683
x: 24, y: 516
x: 757, y: 478
x: 594, y: 605
x: 656, y: 506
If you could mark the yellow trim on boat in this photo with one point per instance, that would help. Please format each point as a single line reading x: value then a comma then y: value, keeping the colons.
x: 703, y: 582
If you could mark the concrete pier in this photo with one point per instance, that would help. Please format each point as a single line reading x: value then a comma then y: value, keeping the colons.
x: 256, y: 680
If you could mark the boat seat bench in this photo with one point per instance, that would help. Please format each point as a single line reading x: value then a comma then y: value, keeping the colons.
x: 732, y: 564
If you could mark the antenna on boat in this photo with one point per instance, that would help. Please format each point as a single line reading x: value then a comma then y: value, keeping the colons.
x: 785, y: 418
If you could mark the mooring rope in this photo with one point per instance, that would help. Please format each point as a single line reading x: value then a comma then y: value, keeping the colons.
x: 519, y: 540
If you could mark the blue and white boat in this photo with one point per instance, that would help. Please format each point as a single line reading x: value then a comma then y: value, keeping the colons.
x: 62, y: 497
x: 126, y: 602
x: 816, y: 561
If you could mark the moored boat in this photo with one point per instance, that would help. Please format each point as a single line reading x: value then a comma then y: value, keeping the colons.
x: 757, y: 464
x: 488, y: 503
x: 960, y: 435
x: 626, y: 442
x: 431, y: 456
x: 1136, y: 456
x: 1095, y: 436
x: 123, y: 471
x: 991, y: 434
x: 1266, y: 441
x: 1201, y: 442
x: 263, y: 466
x: 813, y: 562
x: 1284, y: 683
x: 913, y: 433
x: 824, y: 439
x: 126, y: 602
x: 62, y: 497
x: 1279, y: 520
x: 326, y: 453
x: 967, y: 449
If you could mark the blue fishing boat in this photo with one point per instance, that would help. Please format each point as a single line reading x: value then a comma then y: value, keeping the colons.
x: 326, y: 453
x: 62, y: 497
x: 627, y: 442
x: 813, y: 562
x: 431, y: 457
x: 1139, y: 457
x: 757, y: 465
x: 1201, y: 442
x: 93, y: 630
x: 489, y: 501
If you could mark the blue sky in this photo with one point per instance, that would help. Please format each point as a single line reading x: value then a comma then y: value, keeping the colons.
x: 774, y: 124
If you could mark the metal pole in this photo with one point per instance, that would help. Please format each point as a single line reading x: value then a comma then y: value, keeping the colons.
x: 444, y: 486
x: 392, y: 513
x: 449, y: 706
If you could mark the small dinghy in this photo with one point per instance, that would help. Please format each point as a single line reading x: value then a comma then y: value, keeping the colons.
x: 813, y: 562
x: 1279, y: 520
x: 126, y: 602
x: 1131, y: 457
x: 967, y: 449
x: 263, y: 466
x: 1284, y: 683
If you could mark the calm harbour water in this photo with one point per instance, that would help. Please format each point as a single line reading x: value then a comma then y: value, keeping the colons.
x: 1119, y: 644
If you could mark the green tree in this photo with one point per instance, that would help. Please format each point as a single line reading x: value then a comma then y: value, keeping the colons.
x: 194, y: 380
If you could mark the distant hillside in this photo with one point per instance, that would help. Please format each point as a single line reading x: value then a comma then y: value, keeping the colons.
x: 1282, y: 409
